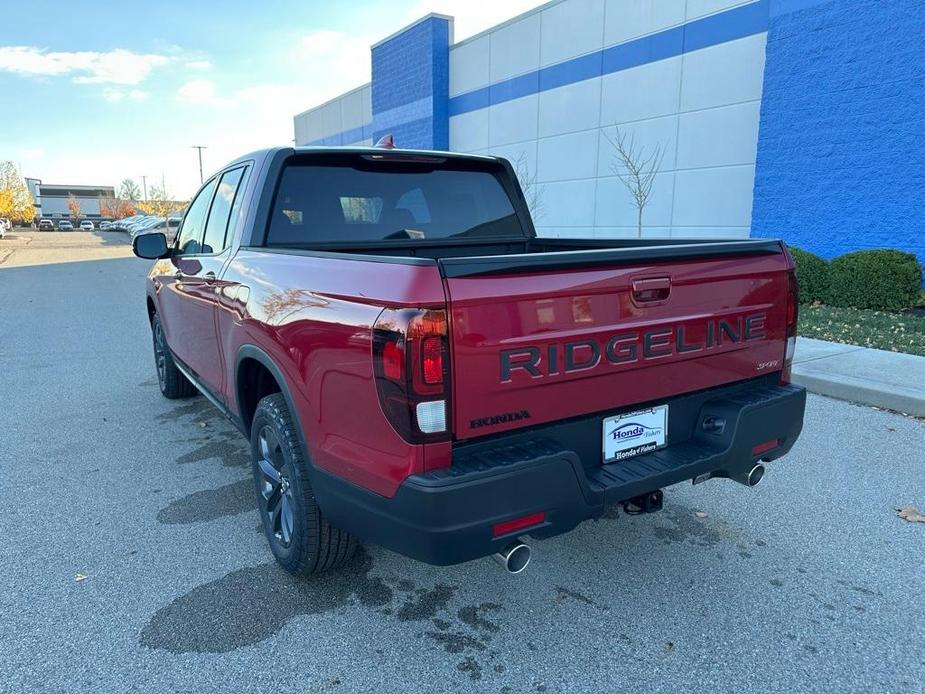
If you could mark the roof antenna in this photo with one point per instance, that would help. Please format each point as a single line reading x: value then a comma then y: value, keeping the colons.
x: 386, y: 142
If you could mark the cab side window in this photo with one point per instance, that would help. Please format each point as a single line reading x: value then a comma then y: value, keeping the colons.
x: 216, y: 236
x: 190, y: 239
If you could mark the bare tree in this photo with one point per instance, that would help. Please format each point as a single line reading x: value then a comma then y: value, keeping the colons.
x: 129, y: 190
x: 533, y: 193
x: 635, y: 170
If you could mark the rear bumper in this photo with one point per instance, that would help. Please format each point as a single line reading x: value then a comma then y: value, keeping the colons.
x: 447, y: 516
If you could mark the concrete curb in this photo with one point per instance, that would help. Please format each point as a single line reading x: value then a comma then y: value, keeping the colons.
x: 875, y: 377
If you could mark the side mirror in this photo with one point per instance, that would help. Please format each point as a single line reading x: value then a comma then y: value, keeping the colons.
x: 150, y: 246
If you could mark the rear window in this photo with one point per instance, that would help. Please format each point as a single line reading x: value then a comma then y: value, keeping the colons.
x: 317, y: 204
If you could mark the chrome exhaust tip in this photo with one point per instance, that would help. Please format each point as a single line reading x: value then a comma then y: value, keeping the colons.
x: 755, y: 475
x: 750, y: 477
x: 514, y: 558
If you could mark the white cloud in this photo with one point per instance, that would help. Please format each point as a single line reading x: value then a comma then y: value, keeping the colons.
x: 199, y: 65
x: 116, y: 95
x: 86, y: 67
x: 197, y: 91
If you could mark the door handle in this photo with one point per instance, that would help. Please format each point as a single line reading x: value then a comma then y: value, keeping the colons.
x: 209, y: 276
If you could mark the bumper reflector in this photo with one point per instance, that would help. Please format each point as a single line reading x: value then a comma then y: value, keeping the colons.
x: 765, y: 447
x: 516, y: 524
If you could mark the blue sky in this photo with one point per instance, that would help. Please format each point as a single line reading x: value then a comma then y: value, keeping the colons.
x: 98, y: 92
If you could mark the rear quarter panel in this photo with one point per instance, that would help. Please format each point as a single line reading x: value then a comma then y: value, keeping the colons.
x: 314, y: 317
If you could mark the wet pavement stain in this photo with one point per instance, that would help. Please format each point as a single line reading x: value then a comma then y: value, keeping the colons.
x: 860, y: 589
x: 563, y: 594
x: 471, y: 667
x: 426, y: 603
x: 201, y: 408
x: 472, y: 616
x: 222, y: 615
x: 209, y: 504
x: 686, y: 527
x: 218, y: 617
x: 231, y: 453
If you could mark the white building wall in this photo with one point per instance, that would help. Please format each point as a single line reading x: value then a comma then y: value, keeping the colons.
x: 345, y: 115
x: 700, y: 108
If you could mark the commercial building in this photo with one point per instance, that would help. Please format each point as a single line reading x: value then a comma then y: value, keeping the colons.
x: 51, y: 201
x: 793, y: 118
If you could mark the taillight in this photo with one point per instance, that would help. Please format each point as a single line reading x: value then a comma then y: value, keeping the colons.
x: 412, y: 369
x: 793, y: 314
x: 432, y: 354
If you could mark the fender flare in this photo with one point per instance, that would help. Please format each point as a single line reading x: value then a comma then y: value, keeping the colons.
x: 250, y: 351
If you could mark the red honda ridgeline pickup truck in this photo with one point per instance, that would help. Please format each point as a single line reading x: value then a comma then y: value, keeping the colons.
x: 415, y: 368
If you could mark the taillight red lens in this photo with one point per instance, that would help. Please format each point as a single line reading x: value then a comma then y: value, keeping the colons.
x: 432, y: 354
x: 392, y: 358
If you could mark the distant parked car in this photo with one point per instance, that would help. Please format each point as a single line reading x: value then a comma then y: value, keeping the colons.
x: 166, y: 227
x: 87, y: 225
x: 124, y: 223
x: 65, y: 225
x: 105, y: 226
x: 46, y: 225
x: 5, y: 226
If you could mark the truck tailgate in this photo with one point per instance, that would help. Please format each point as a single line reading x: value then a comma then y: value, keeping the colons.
x: 549, y: 344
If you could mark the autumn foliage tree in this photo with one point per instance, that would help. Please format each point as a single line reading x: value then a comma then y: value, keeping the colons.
x: 73, y: 206
x: 159, y: 203
x: 124, y: 208
x: 16, y: 201
x: 115, y: 208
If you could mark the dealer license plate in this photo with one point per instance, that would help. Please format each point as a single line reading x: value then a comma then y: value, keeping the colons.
x: 626, y: 435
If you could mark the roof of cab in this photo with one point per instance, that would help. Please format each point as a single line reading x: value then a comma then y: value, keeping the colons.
x: 261, y: 154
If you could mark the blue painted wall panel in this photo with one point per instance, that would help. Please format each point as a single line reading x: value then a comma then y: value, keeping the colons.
x: 841, y: 148
x: 408, y: 70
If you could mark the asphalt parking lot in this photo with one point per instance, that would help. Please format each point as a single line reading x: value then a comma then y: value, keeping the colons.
x: 808, y: 582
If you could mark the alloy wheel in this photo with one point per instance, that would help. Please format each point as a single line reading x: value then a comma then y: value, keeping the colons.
x: 160, y: 353
x: 274, y: 487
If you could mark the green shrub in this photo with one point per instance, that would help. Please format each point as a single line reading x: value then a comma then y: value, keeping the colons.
x: 885, y: 280
x: 812, y: 275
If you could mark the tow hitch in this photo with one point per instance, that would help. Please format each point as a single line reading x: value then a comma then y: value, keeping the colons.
x: 645, y: 503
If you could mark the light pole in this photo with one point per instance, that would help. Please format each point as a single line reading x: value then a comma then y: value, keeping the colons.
x: 144, y: 187
x: 200, y: 148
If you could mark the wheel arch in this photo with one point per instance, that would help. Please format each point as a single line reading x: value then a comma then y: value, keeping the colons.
x: 248, y: 392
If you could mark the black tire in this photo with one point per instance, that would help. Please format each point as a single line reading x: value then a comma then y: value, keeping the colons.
x: 174, y: 385
x: 300, y: 538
